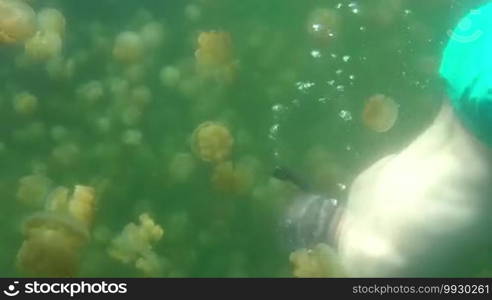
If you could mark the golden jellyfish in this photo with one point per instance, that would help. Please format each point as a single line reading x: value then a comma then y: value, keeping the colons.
x: 51, y: 251
x: 55, y: 236
x: 193, y: 12
x: 170, y: 76
x: 91, y: 92
x: 128, y: 47
x: 25, y: 103
x: 17, y: 21
x: 135, y: 73
x: 214, y: 48
x: 323, y: 24
x: 134, y: 245
x: 51, y: 20
x: 232, y: 179
x: 150, y: 264
x: 214, y: 56
x: 82, y: 204
x: 212, y: 142
x: 43, y: 46
x: 59, y: 68
x: 380, y: 113
x: 140, y: 96
x: 66, y: 154
x: 153, y: 34
x: 321, y: 261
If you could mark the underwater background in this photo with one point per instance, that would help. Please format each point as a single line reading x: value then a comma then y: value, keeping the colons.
x: 176, y: 113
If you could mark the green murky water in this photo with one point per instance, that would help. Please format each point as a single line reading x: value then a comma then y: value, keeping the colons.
x: 296, y: 99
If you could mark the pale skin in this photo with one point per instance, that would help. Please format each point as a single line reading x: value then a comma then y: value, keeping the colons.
x: 424, y: 211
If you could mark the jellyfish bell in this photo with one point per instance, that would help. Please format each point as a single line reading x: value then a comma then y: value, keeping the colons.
x: 134, y: 245
x: 212, y: 142
x: 43, y: 46
x: 53, y: 220
x: 324, y: 24
x: 51, y: 20
x: 380, y: 113
x: 128, y: 47
x: 214, y: 48
x: 17, y: 21
x: 153, y: 34
x: 54, y: 237
x: 215, y: 57
x: 25, y: 103
x: 230, y: 178
x: 51, y: 246
x: 48, y: 253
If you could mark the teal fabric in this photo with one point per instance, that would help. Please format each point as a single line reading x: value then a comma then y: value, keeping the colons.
x: 467, y: 68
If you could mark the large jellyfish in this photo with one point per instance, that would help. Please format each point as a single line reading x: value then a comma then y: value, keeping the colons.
x: 17, y: 21
x: 55, y: 236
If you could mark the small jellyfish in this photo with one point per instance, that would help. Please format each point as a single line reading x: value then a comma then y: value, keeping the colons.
x: 66, y: 154
x: 91, y: 92
x: 214, y: 48
x: 193, y: 12
x: 128, y: 47
x: 232, y: 179
x: 214, y: 56
x: 132, y: 137
x: 212, y: 142
x: 60, y: 68
x: 140, y: 96
x: 380, y: 113
x: 134, y: 245
x: 17, y: 21
x: 51, y: 20
x: 170, y: 76
x: 25, y: 103
x: 323, y: 24
x: 153, y: 34
x: 135, y: 73
x: 43, y: 46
